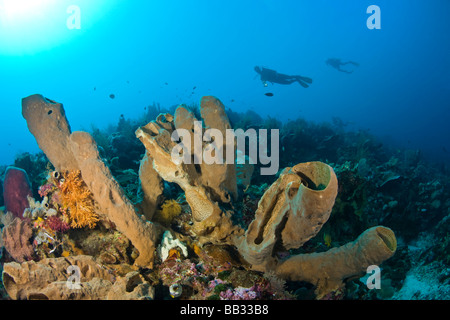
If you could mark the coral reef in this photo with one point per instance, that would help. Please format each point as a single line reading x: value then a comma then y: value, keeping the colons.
x: 229, y: 234
x: 203, y: 184
x: 111, y: 248
x: 168, y: 243
x: 16, y: 190
x: 38, y: 209
x: 210, y: 279
x: 132, y: 286
x: 78, y: 151
x: 291, y: 211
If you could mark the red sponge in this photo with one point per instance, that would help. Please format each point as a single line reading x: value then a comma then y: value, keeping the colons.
x: 16, y: 188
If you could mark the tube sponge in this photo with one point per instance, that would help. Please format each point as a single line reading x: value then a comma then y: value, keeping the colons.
x: 111, y: 198
x: 46, y: 120
x: 291, y: 211
x: 328, y: 270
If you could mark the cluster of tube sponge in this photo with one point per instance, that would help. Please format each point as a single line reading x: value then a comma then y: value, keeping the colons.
x: 292, y: 210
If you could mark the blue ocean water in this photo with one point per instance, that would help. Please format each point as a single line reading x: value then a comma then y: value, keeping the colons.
x: 176, y: 51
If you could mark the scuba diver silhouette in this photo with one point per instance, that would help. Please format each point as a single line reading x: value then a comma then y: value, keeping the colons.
x: 269, y: 75
x: 337, y: 63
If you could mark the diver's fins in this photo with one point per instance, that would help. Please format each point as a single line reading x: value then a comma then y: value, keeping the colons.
x: 304, y: 85
x: 305, y: 79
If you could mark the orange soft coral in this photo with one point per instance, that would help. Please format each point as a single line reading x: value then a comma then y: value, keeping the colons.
x: 76, y: 196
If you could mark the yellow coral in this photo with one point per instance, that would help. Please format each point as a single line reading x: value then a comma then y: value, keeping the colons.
x: 65, y: 254
x: 76, y: 196
x: 169, y: 210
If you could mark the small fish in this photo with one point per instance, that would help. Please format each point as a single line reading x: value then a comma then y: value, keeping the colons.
x: 195, y: 87
x: 327, y: 239
x: 112, y: 96
x: 95, y: 88
x: 166, y: 83
x: 269, y: 94
x: 232, y: 100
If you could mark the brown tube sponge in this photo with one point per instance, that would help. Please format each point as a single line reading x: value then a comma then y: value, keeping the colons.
x: 328, y: 270
x: 205, y: 185
x: 214, y: 116
x: 46, y: 120
x: 78, y: 151
x: 111, y: 199
x: 152, y: 187
x: 291, y: 212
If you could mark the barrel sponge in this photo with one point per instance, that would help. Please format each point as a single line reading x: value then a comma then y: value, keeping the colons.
x: 16, y: 190
x: 328, y: 270
x: 152, y: 187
